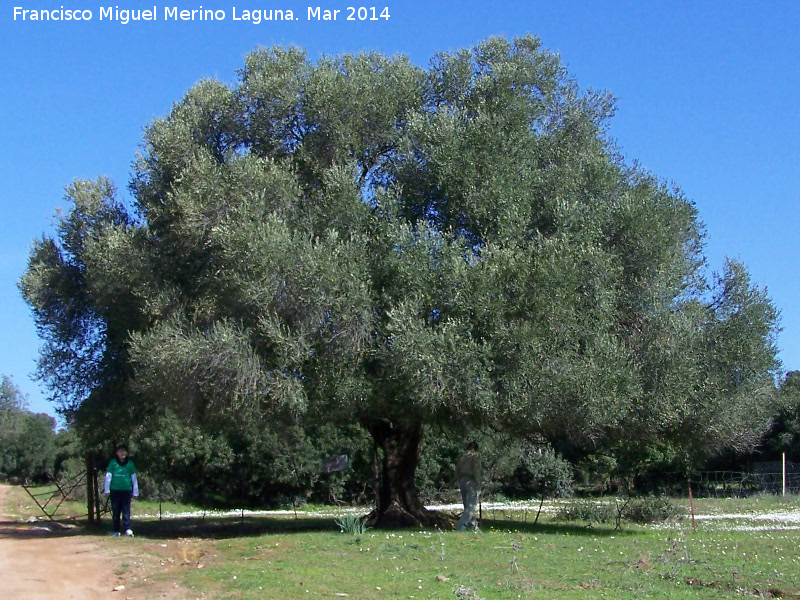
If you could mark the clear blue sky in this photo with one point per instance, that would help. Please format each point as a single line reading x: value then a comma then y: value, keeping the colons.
x: 708, y: 98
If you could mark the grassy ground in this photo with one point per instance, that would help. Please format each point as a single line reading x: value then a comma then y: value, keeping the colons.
x: 285, y: 557
x: 506, y: 560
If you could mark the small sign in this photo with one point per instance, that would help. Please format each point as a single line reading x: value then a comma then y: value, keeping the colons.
x: 335, y: 463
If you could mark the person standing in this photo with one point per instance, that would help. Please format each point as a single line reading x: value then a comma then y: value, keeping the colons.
x: 121, y: 485
x: 470, y: 475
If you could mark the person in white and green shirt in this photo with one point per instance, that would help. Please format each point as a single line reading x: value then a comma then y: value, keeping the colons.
x: 121, y: 485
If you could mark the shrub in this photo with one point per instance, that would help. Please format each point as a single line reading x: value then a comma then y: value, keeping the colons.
x: 652, y: 509
x: 587, y: 510
x: 541, y: 474
x: 161, y: 490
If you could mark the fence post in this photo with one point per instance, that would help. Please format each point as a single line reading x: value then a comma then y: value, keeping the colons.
x: 783, y: 472
x: 90, y: 488
x: 97, y: 503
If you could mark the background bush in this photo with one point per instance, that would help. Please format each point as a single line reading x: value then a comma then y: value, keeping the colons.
x: 652, y: 509
x: 591, y: 511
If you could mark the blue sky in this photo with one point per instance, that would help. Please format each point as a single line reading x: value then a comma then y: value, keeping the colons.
x: 707, y: 98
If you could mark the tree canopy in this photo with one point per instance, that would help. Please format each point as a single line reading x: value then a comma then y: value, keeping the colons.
x: 357, y: 239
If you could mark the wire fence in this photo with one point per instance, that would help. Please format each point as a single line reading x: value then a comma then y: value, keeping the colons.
x: 762, y: 478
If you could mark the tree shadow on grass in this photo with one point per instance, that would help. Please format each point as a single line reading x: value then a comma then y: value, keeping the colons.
x: 225, y: 527
x: 550, y: 528
x: 254, y: 526
x: 232, y: 527
x: 187, y: 527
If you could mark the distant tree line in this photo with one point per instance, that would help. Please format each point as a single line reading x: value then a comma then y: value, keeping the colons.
x: 30, y: 449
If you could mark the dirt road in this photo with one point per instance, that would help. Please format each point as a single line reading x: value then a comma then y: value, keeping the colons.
x: 45, y: 561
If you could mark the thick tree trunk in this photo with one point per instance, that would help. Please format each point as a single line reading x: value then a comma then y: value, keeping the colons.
x: 398, y: 504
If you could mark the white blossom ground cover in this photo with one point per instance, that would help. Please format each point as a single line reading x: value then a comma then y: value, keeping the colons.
x: 716, y: 515
x: 335, y: 511
x: 774, y: 520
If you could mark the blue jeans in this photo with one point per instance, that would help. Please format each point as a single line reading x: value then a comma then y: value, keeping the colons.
x: 470, y: 490
x: 121, y: 506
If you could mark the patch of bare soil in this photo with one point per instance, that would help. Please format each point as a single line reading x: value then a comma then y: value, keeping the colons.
x: 51, y: 561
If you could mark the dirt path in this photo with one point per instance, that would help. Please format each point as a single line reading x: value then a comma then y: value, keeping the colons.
x: 44, y: 561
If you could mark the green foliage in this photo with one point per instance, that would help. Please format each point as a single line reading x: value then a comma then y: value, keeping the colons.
x: 595, y: 471
x: 435, y: 474
x: 652, y: 509
x: 82, y: 313
x: 784, y: 433
x: 591, y: 511
x: 250, y: 466
x: 541, y: 474
x: 11, y: 397
x: 27, y: 440
x: 642, y: 510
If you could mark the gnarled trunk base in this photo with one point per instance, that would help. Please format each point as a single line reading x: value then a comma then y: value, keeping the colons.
x: 396, y: 517
x: 397, y: 503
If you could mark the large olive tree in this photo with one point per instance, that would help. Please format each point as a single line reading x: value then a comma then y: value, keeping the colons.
x: 358, y: 239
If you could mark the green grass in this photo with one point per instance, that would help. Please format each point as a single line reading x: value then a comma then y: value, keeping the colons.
x: 284, y: 558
